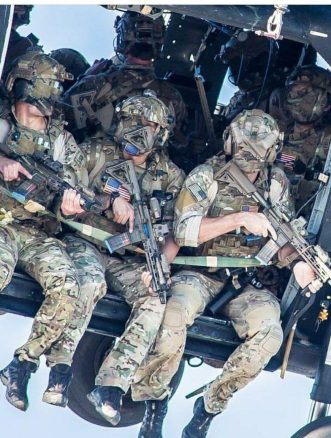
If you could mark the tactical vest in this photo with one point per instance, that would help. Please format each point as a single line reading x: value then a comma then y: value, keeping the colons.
x: 26, y: 141
x: 153, y: 176
x: 229, y: 200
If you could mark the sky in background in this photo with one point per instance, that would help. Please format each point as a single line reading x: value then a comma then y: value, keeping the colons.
x: 268, y: 408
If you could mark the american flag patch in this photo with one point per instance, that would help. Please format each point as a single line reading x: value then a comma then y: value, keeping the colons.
x: 250, y: 208
x: 287, y: 160
x: 112, y: 185
x: 197, y: 192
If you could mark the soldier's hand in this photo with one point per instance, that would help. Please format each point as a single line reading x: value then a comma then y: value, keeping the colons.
x: 123, y: 212
x: 146, y: 278
x: 305, y: 276
x: 71, y: 203
x: 11, y: 169
x: 258, y: 224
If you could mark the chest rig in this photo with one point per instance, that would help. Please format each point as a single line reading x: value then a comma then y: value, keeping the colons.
x: 229, y: 200
x: 26, y: 141
x: 153, y: 176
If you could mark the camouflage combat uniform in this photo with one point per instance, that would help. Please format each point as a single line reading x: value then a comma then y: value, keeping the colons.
x: 123, y: 274
x: 94, y: 98
x: 254, y: 313
x: 299, y: 109
x: 26, y: 241
x: 302, y: 158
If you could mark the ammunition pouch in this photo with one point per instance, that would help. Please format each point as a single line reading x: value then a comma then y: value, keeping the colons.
x: 235, y: 245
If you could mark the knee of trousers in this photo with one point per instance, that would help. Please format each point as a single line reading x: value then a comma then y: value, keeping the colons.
x: 181, y: 310
x: 8, y: 259
x: 272, y: 337
x: 179, y: 314
x: 6, y: 272
x: 63, y: 281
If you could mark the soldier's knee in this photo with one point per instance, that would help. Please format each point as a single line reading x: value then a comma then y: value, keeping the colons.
x: 8, y: 260
x: 175, y: 316
x: 271, y: 338
x: 6, y: 273
x: 65, y: 282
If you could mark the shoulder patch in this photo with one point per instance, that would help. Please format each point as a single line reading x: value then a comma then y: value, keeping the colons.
x: 197, y: 192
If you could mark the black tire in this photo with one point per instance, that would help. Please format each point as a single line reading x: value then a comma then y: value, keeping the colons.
x: 320, y: 428
x: 87, y: 360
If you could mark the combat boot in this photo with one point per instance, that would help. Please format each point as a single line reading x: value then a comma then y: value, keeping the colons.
x: 56, y: 393
x: 201, y: 420
x: 155, y: 413
x: 107, y: 401
x: 15, y: 377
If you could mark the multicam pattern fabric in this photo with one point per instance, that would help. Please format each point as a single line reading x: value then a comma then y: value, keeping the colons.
x: 253, y: 138
x: 24, y: 244
x: 46, y: 260
x: 303, y: 157
x: 255, y: 317
x: 56, y: 142
x: 96, y: 96
x: 124, y: 277
x: 158, y: 173
x: 220, y: 199
x: 90, y: 268
x: 254, y: 313
x: 43, y: 74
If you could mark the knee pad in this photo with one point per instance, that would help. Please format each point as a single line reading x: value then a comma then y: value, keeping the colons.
x: 174, y: 316
x: 272, y: 338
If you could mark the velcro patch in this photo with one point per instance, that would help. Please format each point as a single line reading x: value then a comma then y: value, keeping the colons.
x: 250, y: 208
x: 197, y: 192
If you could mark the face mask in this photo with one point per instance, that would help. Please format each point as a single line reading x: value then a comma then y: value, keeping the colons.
x: 137, y: 140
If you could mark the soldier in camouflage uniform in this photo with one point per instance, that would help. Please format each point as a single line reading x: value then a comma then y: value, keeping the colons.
x: 257, y: 67
x: 218, y: 219
x: 142, y: 129
x: 92, y: 99
x: 307, y: 138
x: 25, y: 231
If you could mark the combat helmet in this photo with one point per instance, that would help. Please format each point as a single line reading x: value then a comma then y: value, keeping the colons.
x: 73, y: 61
x: 308, y: 93
x: 139, y: 35
x: 253, y: 139
x: 36, y: 78
x: 133, y: 131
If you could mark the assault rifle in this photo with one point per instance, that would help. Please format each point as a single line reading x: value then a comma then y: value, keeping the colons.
x: 144, y: 230
x: 47, y: 172
x: 288, y: 231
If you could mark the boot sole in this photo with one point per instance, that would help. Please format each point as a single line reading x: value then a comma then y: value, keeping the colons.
x: 112, y: 419
x: 55, y: 399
